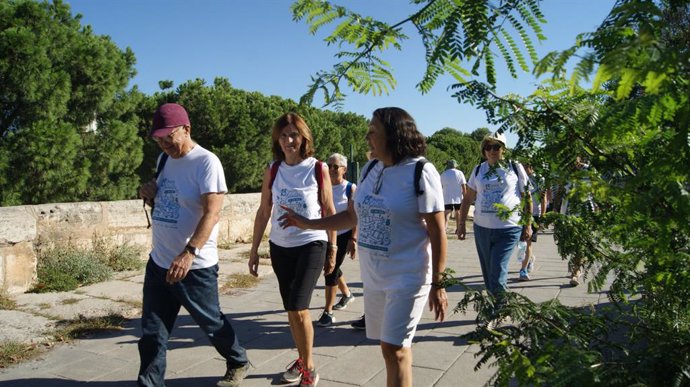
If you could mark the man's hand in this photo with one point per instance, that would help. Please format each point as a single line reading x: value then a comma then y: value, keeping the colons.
x: 179, y: 267
x: 147, y: 191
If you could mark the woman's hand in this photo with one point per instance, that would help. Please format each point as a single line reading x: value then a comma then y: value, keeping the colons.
x: 526, y: 233
x: 460, y: 231
x: 351, y: 248
x: 291, y: 218
x: 438, y: 302
x: 329, y: 264
x: 253, y: 263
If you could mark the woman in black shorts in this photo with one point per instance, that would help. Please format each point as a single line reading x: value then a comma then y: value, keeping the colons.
x: 296, y: 180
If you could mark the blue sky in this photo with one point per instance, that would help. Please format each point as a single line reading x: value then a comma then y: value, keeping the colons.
x: 257, y: 46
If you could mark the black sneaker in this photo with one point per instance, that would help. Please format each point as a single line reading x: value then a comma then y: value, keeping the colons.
x: 233, y: 376
x: 344, y: 300
x: 359, y: 324
x: 326, y: 319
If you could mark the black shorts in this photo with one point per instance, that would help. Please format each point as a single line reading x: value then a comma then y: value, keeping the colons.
x: 297, y: 269
x: 343, y: 239
x: 450, y: 207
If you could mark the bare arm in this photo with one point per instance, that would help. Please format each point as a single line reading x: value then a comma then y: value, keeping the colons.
x: 328, y: 210
x: 341, y: 220
x: 352, y: 243
x: 438, y: 300
x: 467, y: 201
x: 263, y: 215
x: 212, y: 204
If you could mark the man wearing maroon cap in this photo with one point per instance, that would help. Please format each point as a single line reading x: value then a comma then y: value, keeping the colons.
x: 183, y: 265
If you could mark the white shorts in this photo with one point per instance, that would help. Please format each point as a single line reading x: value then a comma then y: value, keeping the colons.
x: 392, y: 315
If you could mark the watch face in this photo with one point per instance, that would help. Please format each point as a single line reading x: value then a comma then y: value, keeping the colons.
x: 192, y: 249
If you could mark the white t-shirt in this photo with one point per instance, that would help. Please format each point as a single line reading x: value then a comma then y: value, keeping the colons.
x: 393, y: 241
x: 501, y: 187
x: 452, y: 181
x: 178, y: 207
x: 295, y: 186
x: 340, y: 198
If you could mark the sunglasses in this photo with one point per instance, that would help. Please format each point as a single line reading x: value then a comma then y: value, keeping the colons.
x: 333, y: 166
x: 493, y: 147
x: 168, y: 138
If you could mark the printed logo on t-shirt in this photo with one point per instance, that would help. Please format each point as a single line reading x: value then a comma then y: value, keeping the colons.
x: 167, y: 209
x: 293, y: 200
x: 492, y: 194
x: 374, y: 224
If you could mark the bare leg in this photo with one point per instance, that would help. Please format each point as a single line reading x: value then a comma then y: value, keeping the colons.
x: 330, y: 298
x: 342, y: 286
x: 302, y: 334
x: 398, y: 365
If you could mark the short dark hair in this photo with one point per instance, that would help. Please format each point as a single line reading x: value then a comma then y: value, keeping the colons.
x: 402, y: 137
x: 294, y: 119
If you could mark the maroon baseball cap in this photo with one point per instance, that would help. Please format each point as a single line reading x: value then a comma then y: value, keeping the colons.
x: 168, y: 117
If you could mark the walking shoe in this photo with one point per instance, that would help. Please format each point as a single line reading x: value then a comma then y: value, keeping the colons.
x: 359, y: 324
x: 524, y: 276
x: 294, y: 371
x: 574, y: 280
x: 326, y: 319
x: 344, y: 300
x: 309, y: 378
x: 530, y: 265
x: 233, y: 376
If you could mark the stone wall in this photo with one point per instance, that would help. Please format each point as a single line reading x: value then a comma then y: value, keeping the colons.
x: 24, y: 228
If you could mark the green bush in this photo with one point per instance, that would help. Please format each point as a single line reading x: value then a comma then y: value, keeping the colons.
x: 64, y: 268
x: 118, y: 257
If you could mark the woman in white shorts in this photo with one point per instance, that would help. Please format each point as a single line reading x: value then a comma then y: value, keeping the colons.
x: 402, y: 240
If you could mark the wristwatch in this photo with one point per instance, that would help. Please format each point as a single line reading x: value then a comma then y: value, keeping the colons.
x: 192, y: 250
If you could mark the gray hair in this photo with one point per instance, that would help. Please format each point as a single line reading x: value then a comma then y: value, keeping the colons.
x: 339, y: 159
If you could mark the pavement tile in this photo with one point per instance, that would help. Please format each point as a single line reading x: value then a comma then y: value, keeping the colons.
x: 462, y: 373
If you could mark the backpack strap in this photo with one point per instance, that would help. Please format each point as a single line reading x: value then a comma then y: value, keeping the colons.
x: 418, y: 174
x: 476, y: 170
x: 162, y: 159
x: 348, y: 190
x: 274, y: 172
x: 161, y: 163
x: 371, y: 165
x: 318, y: 171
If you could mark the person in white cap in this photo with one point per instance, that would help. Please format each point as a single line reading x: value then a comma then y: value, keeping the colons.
x: 183, y: 265
x: 495, y: 181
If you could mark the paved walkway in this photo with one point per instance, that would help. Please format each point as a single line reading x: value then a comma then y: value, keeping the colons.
x: 344, y: 357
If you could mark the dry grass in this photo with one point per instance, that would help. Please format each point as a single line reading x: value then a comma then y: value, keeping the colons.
x: 238, y: 281
x: 6, y: 302
x: 13, y: 352
x: 84, y: 327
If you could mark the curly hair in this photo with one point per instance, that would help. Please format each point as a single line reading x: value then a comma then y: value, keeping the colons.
x: 402, y: 137
x: 294, y: 119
